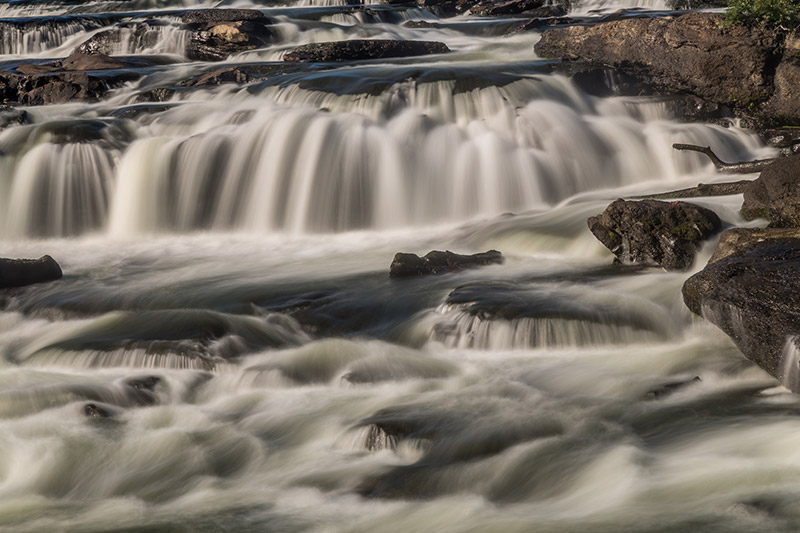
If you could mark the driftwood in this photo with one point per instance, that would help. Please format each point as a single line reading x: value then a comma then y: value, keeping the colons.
x: 745, y: 167
x: 727, y: 188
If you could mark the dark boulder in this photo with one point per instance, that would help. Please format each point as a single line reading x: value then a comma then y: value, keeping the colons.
x: 750, y: 289
x: 437, y: 262
x: 219, y: 33
x: 509, y: 7
x: 21, y: 272
x: 696, y: 52
x: 653, y: 232
x: 363, y: 49
x: 216, y: 16
x: 11, y: 116
x: 775, y: 194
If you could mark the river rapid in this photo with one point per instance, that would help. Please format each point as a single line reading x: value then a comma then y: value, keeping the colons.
x: 226, y: 351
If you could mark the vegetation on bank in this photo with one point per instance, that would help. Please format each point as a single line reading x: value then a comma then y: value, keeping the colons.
x: 783, y: 14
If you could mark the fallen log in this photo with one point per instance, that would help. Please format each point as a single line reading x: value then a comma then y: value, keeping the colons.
x: 745, y: 167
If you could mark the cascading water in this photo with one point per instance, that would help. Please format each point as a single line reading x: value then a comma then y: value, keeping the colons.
x: 226, y: 350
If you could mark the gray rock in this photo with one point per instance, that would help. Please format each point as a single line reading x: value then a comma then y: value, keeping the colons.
x: 751, y: 290
x: 653, y: 232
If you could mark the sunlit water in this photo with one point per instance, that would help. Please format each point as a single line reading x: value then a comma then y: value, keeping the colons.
x: 226, y: 305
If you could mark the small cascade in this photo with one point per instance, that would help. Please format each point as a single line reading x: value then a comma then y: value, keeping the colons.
x: 60, y: 190
x: 45, y: 38
x: 789, y: 370
x: 146, y: 38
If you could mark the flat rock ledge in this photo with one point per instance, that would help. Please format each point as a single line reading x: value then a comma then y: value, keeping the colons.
x: 438, y: 262
x: 750, y: 289
x: 362, y: 49
x: 652, y: 232
x: 21, y: 272
x: 754, y: 70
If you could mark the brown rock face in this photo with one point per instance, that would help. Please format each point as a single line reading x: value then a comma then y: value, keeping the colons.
x: 20, y: 272
x: 775, y: 194
x: 692, y: 52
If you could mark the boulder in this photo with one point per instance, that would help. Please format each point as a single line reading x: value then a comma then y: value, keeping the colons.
x: 653, y: 232
x: 11, y: 116
x: 211, y: 17
x: 219, y: 33
x: 775, y: 194
x: 438, y: 262
x: 363, y: 49
x: 750, y: 289
x: 696, y: 52
x: 21, y: 272
x: 78, y: 60
x: 509, y: 7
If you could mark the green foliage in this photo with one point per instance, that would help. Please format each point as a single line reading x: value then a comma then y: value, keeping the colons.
x: 778, y: 13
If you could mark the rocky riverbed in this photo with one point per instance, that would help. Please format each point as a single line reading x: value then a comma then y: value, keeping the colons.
x: 221, y: 344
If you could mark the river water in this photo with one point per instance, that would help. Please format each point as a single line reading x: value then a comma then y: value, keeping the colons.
x: 226, y: 300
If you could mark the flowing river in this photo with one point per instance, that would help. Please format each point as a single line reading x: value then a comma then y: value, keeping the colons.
x: 226, y: 306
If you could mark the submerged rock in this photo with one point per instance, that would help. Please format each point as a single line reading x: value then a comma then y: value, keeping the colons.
x: 695, y: 52
x: 653, y: 232
x: 363, y: 49
x: 21, y: 272
x: 437, y: 262
x: 775, y: 194
x: 750, y: 289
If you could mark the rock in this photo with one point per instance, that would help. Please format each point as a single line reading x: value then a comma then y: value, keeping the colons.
x: 654, y: 232
x: 92, y: 410
x: 11, y: 116
x: 216, y: 16
x: 510, y: 7
x: 783, y: 106
x: 667, y: 389
x: 92, y: 61
x: 363, y: 49
x: 219, y: 76
x: 697, y: 4
x: 775, y: 194
x: 219, y: 33
x: 437, y: 262
x: 21, y: 272
x: 695, y: 52
x: 751, y: 290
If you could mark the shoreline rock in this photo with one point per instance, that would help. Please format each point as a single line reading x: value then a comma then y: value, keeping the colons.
x: 744, y: 68
x: 750, y: 289
x: 775, y: 194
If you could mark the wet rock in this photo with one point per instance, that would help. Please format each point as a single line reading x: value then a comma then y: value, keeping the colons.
x: 511, y: 7
x: 11, y: 116
x: 216, y: 16
x: 420, y: 24
x: 219, y: 33
x: 696, y: 52
x: 667, y: 389
x: 219, y: 76
x: 783, y: 106
x: 697, y: 4
x: 654, y: 232
x: 750, y: 289
x: 21, y: 272
x: 92, y: 410
x: 437, y: 262
x: 363, y: 49
x: 787, y: 140
x: 775, y: 194
x: 96, y: 61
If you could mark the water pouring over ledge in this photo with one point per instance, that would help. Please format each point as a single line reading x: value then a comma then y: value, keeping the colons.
x: 226, y: 350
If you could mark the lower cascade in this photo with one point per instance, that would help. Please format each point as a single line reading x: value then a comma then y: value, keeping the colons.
x: 254, y: 282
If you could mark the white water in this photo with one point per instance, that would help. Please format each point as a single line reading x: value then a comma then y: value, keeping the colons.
x: 226, y: 304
